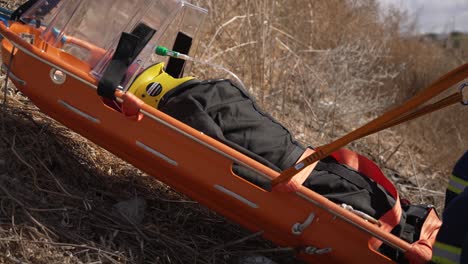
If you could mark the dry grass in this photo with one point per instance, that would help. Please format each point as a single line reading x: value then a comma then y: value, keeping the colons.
x: 321, y: 67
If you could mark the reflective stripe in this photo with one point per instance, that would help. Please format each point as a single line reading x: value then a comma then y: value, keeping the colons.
x: 446, y: 254
x: 457, y: 185
x: 459, y: 180
x: 440, y: 260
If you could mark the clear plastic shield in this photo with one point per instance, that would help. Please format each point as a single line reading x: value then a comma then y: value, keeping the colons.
x: 90, y: 30
x: 185, y: 27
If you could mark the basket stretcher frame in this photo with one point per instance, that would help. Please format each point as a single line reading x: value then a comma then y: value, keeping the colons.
x: 189, y: 161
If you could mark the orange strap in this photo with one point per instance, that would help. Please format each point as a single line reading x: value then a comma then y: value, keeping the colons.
x: 393, y: 117
x: 421, y: 250
x: 451, y: 99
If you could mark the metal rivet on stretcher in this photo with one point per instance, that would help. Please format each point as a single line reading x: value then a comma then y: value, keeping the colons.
x: 462, y: 89
x: 57, y: 76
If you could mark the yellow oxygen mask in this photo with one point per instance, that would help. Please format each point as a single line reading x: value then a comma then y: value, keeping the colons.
x: 153, y: 83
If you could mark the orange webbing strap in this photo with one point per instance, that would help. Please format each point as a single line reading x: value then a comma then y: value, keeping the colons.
x: 365, y: 166
x: 421, y: 250
x: 393, y: 117
x: 449, y: 100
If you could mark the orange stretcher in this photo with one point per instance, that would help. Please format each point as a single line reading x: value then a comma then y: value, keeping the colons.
x: 187, y: 160
x: 61, y: 69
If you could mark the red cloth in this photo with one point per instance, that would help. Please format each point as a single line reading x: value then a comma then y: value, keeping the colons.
x: 421, y: 250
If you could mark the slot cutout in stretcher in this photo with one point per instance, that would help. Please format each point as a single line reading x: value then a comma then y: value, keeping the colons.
x: 202, y: 169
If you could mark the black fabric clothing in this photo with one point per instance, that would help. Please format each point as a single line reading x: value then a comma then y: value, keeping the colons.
x: 344, y: 185
x: 227, y: 113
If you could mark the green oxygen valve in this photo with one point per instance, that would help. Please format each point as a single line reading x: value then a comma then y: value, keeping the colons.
x: 163, y: 51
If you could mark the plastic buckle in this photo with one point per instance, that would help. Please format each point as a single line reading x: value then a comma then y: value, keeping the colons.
x: 462, y: 88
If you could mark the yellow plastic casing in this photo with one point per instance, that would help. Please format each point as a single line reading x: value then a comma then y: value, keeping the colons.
x: 153, y: 83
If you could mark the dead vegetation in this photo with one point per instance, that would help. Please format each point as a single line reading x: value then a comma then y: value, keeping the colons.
x: 321, y: 67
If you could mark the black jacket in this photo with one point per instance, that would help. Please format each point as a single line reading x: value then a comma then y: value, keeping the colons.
x: 227, y: 113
